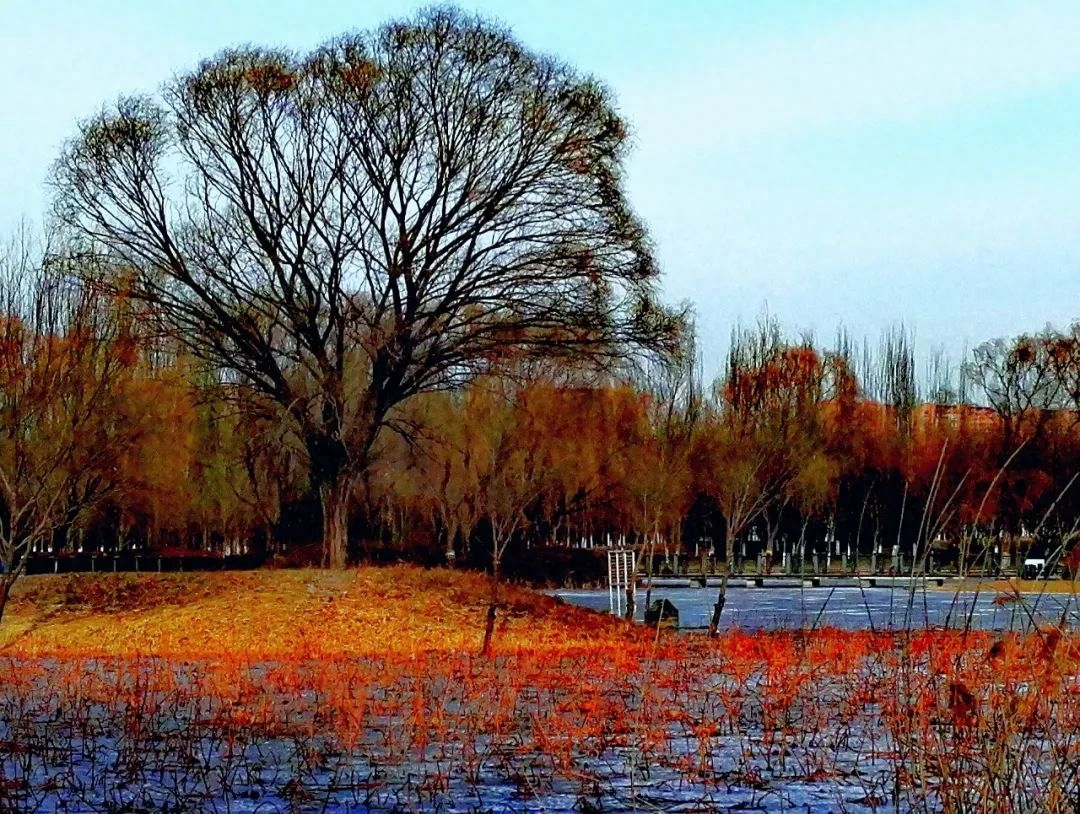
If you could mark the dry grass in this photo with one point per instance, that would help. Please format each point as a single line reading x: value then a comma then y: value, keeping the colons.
x: 1026, y: 587
x: 275, y: 614
x: 382, y: 665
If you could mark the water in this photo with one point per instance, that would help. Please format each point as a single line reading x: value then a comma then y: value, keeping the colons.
x: 848, y: 608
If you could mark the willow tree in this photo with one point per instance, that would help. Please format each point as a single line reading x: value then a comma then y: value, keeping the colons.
x: 397, y: 211
x: 63, y: 383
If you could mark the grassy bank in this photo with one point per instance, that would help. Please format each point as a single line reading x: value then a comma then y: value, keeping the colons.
x: 287, y: 613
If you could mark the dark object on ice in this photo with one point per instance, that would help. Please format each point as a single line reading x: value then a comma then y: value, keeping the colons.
x: 718, y: 608
x: 662, y: 612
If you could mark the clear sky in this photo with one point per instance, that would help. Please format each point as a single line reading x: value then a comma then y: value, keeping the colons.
x: 838, y: 163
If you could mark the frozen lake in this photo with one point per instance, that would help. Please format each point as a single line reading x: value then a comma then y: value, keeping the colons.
x: 848, y: 608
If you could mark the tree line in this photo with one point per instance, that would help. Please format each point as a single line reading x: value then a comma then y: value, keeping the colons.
x: 117, y: 437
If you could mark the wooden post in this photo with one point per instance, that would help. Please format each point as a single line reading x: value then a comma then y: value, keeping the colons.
x: 489, y: 629
x: 718, y: 608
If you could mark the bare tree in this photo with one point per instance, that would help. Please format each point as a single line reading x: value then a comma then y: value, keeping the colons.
x: 57, y: 400
x: 395, y: 212
x: 1021, y: 379
x: 1063, y: 351
x: 767, y: 426
x: 1018, y: 378
x: 660, y: 479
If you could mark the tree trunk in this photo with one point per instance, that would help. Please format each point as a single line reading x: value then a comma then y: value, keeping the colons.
x: 335, y: 505
x: 489, y: 627
x: 270, y: 545
x: 489, y: 630
x: 5, y: 592
x: 335, y: 472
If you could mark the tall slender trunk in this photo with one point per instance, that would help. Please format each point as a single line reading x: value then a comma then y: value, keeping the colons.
x: 334, y: 494
x: 6, y: 581
x: 489, y: 627
x: 270, y: 545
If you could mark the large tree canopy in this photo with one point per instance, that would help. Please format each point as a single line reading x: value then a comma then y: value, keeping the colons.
x: 394, y: 212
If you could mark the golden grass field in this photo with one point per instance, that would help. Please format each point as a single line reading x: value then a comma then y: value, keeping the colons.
x: 397, y: 610
x: 276, y: 613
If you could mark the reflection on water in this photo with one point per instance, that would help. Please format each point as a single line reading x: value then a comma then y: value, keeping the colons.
x: 851, y: 608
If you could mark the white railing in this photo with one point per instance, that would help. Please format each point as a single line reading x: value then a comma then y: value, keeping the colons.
x: 622, y: 579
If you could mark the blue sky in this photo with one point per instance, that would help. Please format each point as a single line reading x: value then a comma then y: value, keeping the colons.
x: 838, y: 163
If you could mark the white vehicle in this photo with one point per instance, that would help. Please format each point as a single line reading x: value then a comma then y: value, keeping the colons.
x: 1033, y: 569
